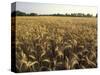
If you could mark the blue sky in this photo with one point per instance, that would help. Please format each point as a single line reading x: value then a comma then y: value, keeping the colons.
x: 45, y: 8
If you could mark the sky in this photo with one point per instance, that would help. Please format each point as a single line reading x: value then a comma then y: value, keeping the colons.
x: 46, y: 8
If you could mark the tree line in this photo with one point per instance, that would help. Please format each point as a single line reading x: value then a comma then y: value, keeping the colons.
x: 19, y: 13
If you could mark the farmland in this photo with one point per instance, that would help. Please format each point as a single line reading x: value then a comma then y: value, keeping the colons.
x: 45, y: 43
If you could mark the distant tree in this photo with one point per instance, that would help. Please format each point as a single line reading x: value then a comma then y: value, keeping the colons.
x: 89, y: 15
x: 78, y: 15
x: 33, y: 14
x: 19, y: 13
x: 67, y: 14
x: 58, y: 14
x: 73, y: 14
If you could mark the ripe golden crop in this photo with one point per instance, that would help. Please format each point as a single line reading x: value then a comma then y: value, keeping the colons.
x: 46, y: 43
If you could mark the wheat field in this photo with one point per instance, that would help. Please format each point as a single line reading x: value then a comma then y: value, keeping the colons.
x: 46, y: 43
